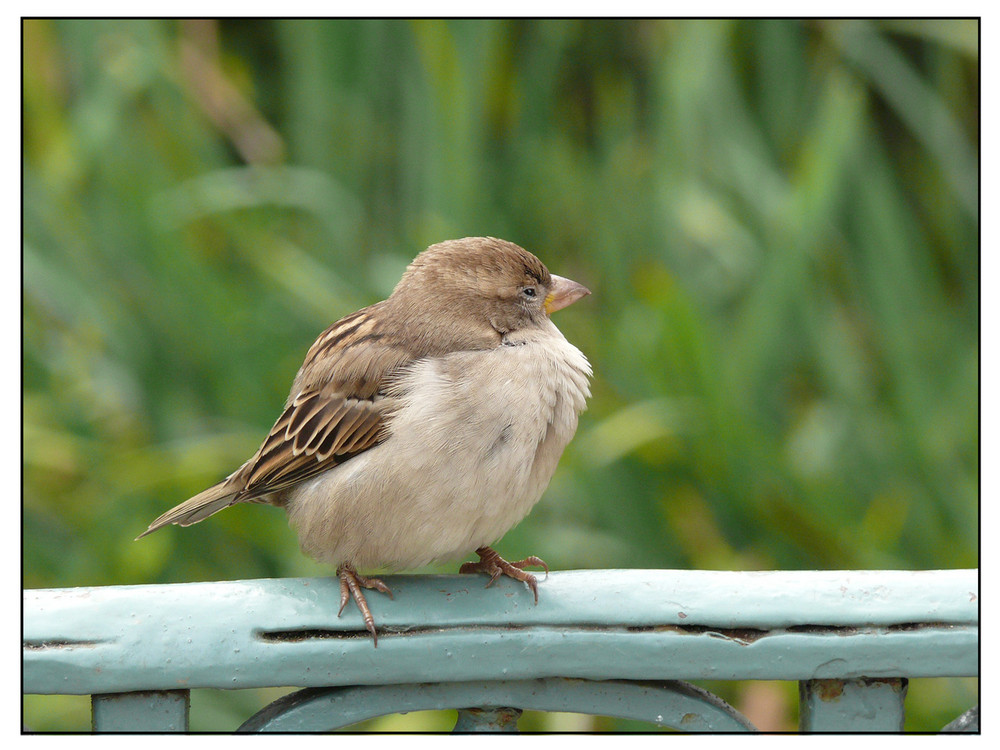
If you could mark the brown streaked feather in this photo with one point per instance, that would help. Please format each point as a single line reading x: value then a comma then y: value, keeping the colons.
x: 314, y: 434
x: 363, y: 435
x: 307, y: 408
x: 347, y: 326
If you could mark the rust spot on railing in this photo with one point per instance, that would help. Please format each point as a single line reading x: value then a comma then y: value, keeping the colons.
x: 832, y: 689
x: 898, y: 684
x: 829, y: 690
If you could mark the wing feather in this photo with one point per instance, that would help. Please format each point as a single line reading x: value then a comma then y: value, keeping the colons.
x: 332, y: 430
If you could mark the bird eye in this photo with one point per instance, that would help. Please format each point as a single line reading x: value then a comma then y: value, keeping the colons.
x: 529, y: 291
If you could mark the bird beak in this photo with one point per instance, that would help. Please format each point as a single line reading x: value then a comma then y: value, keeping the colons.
x: 563, y: 293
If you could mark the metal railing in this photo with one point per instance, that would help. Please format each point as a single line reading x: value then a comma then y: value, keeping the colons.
x: 604, y: 642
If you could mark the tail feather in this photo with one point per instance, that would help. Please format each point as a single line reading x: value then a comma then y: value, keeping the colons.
x: 198, y: 508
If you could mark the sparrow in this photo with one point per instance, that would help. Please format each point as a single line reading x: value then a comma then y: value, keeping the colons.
x: 425, y: 426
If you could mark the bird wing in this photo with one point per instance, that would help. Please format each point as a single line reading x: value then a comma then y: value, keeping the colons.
x: 317, y: 431
x: 337, y: 408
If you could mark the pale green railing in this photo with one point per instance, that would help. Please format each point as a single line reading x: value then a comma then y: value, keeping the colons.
x: 606, y: 642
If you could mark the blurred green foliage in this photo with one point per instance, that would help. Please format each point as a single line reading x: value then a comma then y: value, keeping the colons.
x: 778, y: 220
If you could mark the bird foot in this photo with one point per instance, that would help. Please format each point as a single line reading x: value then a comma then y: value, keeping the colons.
x: 351, y: 584
x: 495, y: 566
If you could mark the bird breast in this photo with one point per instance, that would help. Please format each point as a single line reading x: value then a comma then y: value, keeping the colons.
x: 472, y: 445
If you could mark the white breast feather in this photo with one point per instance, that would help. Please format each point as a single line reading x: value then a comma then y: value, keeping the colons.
x: 466, y: 459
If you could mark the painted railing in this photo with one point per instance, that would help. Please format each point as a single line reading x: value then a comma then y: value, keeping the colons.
x: 604, y: 642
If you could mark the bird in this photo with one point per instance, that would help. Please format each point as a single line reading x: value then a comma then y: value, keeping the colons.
x: 423, y: 427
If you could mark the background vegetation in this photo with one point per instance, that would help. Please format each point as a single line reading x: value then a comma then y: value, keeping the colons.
x: 778, y: 220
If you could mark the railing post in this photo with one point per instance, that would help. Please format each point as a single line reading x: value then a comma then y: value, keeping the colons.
x: 152, y: 711
x: 487, y: 720
x: 861, y: 705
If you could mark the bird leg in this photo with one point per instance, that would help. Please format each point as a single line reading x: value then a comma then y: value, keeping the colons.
x: 495, y: 566
x: 350, y: 586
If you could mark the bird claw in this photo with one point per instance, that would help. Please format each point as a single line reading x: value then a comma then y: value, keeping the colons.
x: 351, y: 584
x: 533, y: 561
x: 495, y: 566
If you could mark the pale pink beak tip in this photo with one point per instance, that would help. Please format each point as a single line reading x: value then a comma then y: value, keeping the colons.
x: 563, y: 293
